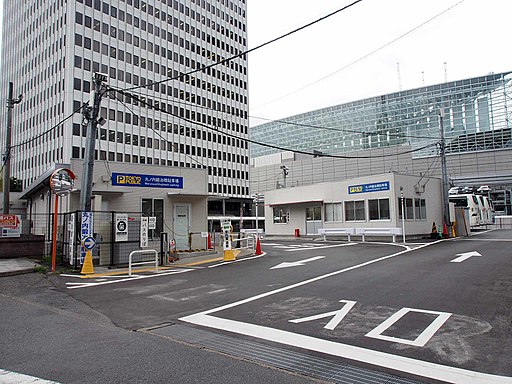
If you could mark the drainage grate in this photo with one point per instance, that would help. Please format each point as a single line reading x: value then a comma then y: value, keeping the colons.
x: 317, y: 367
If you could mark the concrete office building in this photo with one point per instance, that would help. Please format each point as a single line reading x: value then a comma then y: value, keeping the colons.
x: 397, y: 132
x: 51, y: 50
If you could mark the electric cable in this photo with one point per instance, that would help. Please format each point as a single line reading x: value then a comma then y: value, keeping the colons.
x: 362, y: 57
x: 135, y: 97
x: 190, y: 104
x: 163, y: 138
x: 203, y: 68
x: 52, y: 128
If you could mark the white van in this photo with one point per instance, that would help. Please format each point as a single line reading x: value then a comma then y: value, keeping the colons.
x: 483, y: 211
x: 470, y: 202
x: 489, y: 209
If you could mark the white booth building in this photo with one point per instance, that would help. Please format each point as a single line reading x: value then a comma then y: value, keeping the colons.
x: 364, y: 202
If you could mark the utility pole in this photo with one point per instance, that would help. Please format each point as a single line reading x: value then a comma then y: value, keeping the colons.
x: 91, y: 114
x: 444, y: 173
x: 7, y: 153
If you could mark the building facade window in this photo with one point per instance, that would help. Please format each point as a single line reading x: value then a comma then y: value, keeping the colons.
x: 355, y: 210
x: 333, y: 212
x: 420, y: 209
x: 378, y: 209
x: 281, y: 215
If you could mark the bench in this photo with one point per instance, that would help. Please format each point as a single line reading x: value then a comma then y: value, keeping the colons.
x: 336, y: 231
x: 379, y: 232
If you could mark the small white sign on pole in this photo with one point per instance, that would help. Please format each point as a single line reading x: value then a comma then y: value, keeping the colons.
x: 121, y: 227
x: 152, y: 222
x: 144, y: 229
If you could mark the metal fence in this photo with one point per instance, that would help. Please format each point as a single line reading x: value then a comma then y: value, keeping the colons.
x: 107, y: 251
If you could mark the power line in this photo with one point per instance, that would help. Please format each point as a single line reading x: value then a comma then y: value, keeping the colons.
x: 198, y: 106
x: 52, y: 128
x: 135, y: 97
x: 163, y: 138
x: 362, y: 57
x: 249, y: 50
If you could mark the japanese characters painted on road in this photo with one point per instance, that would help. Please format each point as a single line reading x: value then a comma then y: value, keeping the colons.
x: 226, y: 234
x: 144, y: 229
x: 87, y: 230
x: 10, y: 225
x: 121, y: 227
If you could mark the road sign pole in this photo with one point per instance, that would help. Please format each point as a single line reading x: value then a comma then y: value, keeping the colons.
x: 54, y: 234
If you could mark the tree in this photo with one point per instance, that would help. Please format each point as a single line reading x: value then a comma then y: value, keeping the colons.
x: 15, y: 185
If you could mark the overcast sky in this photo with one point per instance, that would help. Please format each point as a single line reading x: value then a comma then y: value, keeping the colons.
x: 472, y: 38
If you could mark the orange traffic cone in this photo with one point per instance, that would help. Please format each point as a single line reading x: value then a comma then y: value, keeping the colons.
x: 433, y: 235
x: 258, y: 246
x: 445, y: 231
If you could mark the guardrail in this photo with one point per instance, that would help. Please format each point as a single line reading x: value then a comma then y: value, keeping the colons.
x: 253, y: 231
x: 361, y: 232
x: 142, y: 262
x: 336, y: 231
x: 503, y: 219
x: 249, y: 242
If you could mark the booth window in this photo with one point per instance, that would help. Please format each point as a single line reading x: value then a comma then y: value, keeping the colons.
x: 154, y: 208
x: 333, y: 212
x: 420, y: 209
x: 378, y: 209
x: 409, y: 209
x: 354, y: 210
x: 281, y: 215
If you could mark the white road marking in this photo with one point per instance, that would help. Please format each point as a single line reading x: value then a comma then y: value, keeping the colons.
x: 9, y: 377
x: 422, y: 338
x: 399, y: 363
x: 345, y: 351
x: 88, y: 285
x: 237, y: 261
x: 339, y: 315
x: 464, y: 256
x: 297, y: 263
x: 321, y: 247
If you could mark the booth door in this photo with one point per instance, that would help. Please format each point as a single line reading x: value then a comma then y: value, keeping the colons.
x: 181, y: 226
x: 313, y: 220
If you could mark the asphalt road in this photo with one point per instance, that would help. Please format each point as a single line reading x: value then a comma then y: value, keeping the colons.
x: 378, y: 309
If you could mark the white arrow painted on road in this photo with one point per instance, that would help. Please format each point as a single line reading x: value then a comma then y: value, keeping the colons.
x: 337, y: 316
x: 297, y: 263
x: 464, y: 256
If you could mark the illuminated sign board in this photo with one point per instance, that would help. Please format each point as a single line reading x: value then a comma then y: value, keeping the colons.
x: 151, y: 181
x: 365, y: 188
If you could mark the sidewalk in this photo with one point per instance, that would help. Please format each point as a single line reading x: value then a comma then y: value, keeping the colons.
x: 10, y: 267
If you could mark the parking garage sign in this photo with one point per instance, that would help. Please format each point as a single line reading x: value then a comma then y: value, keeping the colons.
x: 365, y: 188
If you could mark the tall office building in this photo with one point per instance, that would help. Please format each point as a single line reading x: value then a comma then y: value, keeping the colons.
x: 52, y: 48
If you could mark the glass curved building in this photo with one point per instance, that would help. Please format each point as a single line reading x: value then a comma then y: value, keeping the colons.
x: 475, y: 114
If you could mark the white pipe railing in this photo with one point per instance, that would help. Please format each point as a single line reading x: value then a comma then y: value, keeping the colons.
x: 249, y: 242
x: 142, y: 262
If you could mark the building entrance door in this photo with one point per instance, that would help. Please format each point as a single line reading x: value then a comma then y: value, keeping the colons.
x: 181, y: 226
x: 313, y: 220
